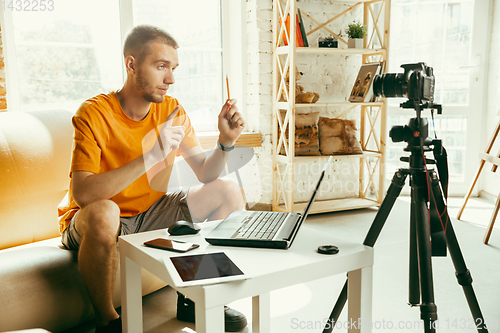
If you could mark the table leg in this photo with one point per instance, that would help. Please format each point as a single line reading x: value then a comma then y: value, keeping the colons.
x: 261, y: 313
x: 131, y: 293
x: 359, y: 295
x: 209, y: 320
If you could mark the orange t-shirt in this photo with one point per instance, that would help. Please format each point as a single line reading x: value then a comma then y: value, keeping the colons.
x: 105, y: 138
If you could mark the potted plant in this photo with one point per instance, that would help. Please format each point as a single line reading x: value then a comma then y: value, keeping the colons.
x: 356, y: 32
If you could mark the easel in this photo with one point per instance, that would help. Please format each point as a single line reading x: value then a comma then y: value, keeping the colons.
x: 495, y: 160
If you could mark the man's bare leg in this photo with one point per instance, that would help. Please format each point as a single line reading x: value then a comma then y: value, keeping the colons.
x: 99, y: 224
x: 215, y: 200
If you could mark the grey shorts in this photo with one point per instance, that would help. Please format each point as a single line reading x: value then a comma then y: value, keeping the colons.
x: 170, y: 208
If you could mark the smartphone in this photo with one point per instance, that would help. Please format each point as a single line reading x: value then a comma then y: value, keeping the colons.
x: 171, y: 245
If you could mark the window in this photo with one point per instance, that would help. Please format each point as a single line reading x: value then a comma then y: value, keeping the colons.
x: 439, y: 33
x: 449, y: 37
x: 64, y: 56
x: 199, y: 84
x: 61, y: 57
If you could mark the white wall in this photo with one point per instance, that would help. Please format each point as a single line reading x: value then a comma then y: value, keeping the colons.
x: 490, y: 182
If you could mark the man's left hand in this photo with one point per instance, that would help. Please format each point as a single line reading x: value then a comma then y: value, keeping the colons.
x: 231, y: 123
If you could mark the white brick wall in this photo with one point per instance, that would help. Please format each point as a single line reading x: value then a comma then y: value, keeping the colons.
x: 491, y: 182
x: 259, y: 90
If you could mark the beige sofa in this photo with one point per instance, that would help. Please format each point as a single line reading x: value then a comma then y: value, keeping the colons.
x: 40, y: 284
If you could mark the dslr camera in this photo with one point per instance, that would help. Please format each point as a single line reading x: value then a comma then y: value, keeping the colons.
x: 416, y: 83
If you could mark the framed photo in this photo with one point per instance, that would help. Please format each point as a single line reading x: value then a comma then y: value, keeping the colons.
x: 362, y: 90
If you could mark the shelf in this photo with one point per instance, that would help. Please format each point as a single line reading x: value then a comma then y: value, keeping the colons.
x: 284, y: 105
x: 371, y: 115
x: 282, y: 50
x: 284, y: 158
x: 355, y: 1
x: 332, y: 205
x: 208, y: 140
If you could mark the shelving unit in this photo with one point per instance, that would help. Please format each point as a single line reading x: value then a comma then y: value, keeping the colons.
x: 372, y: 127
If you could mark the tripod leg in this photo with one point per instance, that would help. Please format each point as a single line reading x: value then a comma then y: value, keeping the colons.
x: 397, y: 183
x: 414, y: 275
x: 420, y: 214
x: 463, y: 274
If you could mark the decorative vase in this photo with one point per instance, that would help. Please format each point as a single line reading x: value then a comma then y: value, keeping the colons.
x: 355, y: 43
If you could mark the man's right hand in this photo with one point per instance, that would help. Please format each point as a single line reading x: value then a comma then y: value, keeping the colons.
x: 168, y: 139
x: 89, y: 187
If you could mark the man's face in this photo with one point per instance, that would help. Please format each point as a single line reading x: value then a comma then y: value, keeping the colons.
x: 156, y: 72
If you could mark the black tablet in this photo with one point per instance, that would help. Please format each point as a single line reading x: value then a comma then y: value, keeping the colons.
x: 206, y: 268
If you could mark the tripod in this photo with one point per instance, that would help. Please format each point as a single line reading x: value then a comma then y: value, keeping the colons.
x: 425, y: 188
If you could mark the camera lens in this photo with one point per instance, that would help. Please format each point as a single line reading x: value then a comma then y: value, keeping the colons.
x: 389, y: 85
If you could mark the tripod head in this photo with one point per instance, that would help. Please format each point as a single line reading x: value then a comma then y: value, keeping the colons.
x: 416, y: 134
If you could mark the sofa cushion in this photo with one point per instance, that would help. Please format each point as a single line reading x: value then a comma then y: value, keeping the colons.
x: 42, y: 287
x: 35, y: 154
x: 41, y: 282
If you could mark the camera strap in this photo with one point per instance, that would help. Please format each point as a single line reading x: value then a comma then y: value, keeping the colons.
x: 438, y: 238
x: 441, y: 158
x: 437, y: 209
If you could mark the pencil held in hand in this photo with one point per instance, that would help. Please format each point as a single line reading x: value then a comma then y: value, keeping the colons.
x: 228, y: 96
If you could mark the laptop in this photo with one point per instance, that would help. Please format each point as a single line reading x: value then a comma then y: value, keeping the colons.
x: 261, y: 228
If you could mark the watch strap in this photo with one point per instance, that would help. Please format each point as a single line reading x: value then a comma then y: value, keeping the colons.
x: 224, y: 148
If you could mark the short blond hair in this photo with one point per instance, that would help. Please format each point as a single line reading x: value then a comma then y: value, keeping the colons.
x: 139, y: 39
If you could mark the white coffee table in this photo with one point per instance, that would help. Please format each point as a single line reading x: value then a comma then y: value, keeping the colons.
x: 270, y: 270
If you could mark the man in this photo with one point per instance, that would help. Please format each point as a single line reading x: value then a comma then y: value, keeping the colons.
x: 114, y: 167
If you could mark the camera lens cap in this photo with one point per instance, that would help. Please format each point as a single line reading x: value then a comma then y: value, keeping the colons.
x: 328, y: 249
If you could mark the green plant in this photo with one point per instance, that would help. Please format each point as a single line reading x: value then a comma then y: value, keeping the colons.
x: 356, y: 30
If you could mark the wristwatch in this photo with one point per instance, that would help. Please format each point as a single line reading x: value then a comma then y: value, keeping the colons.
x: 224, y: 148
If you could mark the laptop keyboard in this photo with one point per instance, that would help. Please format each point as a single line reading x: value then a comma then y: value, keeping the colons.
x: 261, y: 225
